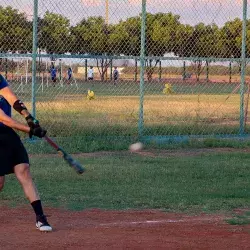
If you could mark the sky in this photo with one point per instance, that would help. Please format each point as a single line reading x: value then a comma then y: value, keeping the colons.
x: 190, y: 11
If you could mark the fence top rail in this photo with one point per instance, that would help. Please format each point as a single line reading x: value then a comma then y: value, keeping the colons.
x: 84, y: 56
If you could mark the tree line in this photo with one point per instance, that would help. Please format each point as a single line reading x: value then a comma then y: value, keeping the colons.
x: 164, y: 34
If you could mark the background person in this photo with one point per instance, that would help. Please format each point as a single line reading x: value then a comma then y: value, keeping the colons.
x: 53, y: 74
x: 91, y: 73
x: 115, y: 75
x: 69, y: 72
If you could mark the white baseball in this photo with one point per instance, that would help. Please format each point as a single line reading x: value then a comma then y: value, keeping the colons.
x: 136, y: 146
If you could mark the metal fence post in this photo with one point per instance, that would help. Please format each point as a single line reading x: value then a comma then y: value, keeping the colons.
x: 160, y: 71
x: 34, y: 56
x: 136, y: 66
x: 86, y: 69
x: 243, y: 67
x: 142, y: 68
x: 111, y: 70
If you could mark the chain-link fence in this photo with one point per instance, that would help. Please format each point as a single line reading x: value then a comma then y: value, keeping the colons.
x: 113, y: 69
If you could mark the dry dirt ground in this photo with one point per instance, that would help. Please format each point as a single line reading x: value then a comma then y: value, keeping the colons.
x: 98, y: 229
x: 147, y: 229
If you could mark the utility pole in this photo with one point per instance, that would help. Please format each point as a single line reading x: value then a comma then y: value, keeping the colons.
x: 107, y: 12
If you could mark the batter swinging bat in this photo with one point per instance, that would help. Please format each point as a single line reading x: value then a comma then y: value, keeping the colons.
x: 68, y: 158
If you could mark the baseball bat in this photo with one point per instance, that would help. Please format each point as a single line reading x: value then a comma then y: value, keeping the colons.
x: 68, y: 158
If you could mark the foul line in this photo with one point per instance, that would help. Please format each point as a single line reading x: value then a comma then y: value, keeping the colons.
x: 127, y: 223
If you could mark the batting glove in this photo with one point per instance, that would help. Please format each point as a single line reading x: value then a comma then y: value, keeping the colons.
x: 38, y: 131
x: 32, y: 122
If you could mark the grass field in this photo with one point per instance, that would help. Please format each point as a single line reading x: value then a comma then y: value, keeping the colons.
x: 118, y: 116
x: 110, y: 122
x: 193, y: 109
x: 173, y: 182
x: 192, y: 181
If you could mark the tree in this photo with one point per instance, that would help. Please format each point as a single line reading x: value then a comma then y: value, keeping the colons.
x: 206, y: 46
x: 184, y: 41
x: 91, y: 36
x: 125, y: 37
x: 160, y: 38
x: 15, y: 31
x: 79, y: 41
x: 54, y: 34
x: 231, y: 34
x: 231, y: 38
x: 201, y: 41
x: 119, y: 39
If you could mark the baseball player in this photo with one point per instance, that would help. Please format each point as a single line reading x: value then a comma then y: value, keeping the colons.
x: 53, y: 74
x: 13, y: 156
x: 69, y: 73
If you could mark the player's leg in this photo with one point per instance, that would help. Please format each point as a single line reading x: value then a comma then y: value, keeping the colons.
x: 2, y: 179
x: 53, y: 81
x: 115, y: 80
x: 69, y: 78
x: 22, y: 172
x: 21, y: 168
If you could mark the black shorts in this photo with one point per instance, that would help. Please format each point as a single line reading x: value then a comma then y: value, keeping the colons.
x: 12, y: 151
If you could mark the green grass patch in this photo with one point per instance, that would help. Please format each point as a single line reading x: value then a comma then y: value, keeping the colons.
x: 127, y: 87
x: 88, y: 144
x: 204, y: 183
x: 80, y: 144
x: 196, y: 109
x: 240, y: 219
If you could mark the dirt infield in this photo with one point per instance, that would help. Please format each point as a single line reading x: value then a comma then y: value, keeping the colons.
x: 98, y: 229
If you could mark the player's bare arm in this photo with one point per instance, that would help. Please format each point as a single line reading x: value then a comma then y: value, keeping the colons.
x: 13, y: 100
x: 8, y: 121
x: 19, y: 106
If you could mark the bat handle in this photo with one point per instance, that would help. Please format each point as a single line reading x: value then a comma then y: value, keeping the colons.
x: 51, y: 142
